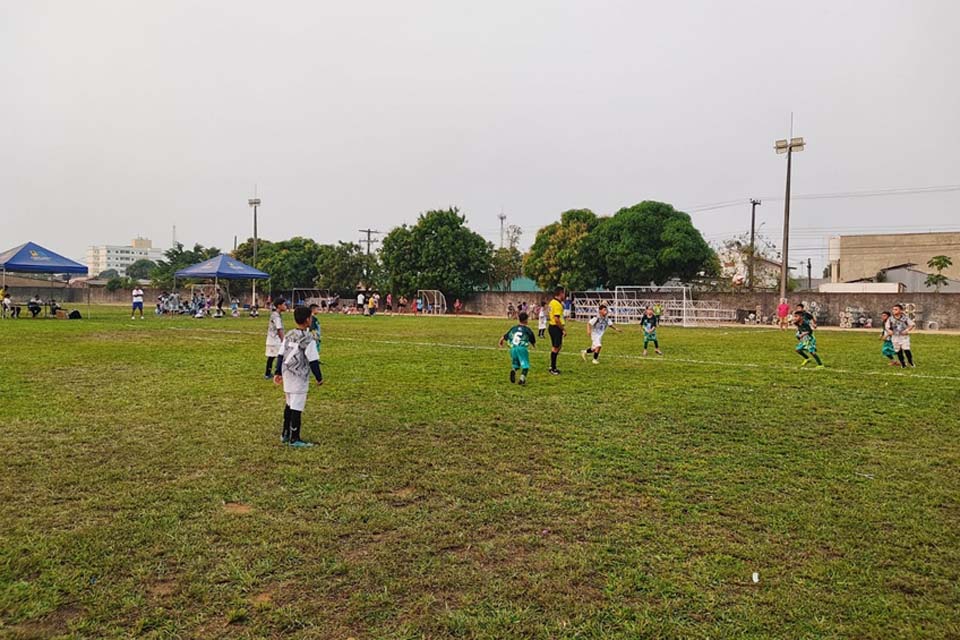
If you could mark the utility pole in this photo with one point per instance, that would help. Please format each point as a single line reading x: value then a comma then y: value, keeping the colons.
x: 753, y: 247
x: 503, y: 218
x: 788, y: 147
x: 809, y: 274
x: 255, y: 203
x: 370, y: 240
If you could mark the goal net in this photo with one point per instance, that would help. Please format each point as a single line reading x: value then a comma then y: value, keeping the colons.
x: 431, y: 301
x: 305, y: 297
x: 673, y: 304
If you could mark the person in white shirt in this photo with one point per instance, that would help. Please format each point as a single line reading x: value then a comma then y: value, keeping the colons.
x: 360, y: 299
x: 137, y: 303
x: 542, y: 320
x: 595, y: 329
x: 900, y: 327
x: 298, y: 359
x: 274, y: 337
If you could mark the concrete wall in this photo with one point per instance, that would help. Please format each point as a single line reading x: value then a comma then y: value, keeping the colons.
x: 863, y: 256
x: 944, y: 309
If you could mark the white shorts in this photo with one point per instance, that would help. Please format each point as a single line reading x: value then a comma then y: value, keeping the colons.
x: 901, y: 343
x: 296, y: 401
x: 273, y: 350
x: 596, y: 341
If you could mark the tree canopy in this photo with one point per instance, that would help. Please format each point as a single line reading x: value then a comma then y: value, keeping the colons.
x: 177, y: 258
x: 141, y: 269
x: 341, y: 267
x: 439, y: 252
x: 651, y: 242
x: 563, y: 253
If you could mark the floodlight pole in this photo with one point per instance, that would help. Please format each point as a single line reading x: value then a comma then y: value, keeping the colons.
x: 254, y: 202
x: 787, y: 146
x: 753, y: 249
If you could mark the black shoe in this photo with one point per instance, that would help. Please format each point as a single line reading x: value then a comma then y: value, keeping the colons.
x: 554, y: 372
x: 513, y: 375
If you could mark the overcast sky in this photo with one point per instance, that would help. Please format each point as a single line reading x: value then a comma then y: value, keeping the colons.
x: 127, y: 117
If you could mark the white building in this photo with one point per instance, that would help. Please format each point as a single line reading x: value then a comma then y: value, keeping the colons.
x: 104, y: 257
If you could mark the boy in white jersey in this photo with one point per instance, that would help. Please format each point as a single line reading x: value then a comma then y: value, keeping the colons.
x: 274, y: 337
x: 542, y: 319
x: 298, y: 359
x: 595, y: 329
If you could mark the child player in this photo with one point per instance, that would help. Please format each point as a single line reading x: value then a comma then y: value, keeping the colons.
x: 649, y: 323
x: 298, y: 359
x: 542, y: 319
x: 595, y: 329
x: 519, y: 337
x: 274, y: 337
x: 806, y: 342
x: 900, y: 327
x: 886, y: 335
x: 315, y: 324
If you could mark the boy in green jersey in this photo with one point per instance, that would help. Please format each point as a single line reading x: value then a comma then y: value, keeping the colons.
x: 806, y: 342
x: 519, y: 337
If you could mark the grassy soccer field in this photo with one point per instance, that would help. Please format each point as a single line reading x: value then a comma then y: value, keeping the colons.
x: 144, y: 491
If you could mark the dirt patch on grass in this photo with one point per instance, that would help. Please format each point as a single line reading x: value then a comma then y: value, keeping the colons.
x: 237, y: 508
x: 162, y: 589
x: 54, y: 624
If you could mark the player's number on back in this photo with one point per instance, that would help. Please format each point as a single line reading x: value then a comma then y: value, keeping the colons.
x: 517, y: 338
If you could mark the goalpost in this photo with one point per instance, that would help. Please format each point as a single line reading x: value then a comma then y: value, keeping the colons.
x: 673, y: 304
x: 433, y: 301
x: 305, y: 297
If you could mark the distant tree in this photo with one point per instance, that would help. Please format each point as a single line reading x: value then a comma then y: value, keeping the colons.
x: 141, y: 269
x: 114, y: 283
x: 563, y: 253
x: 177, y: 258
x: 290, y: 263
x: 109, y: 274
x: 507, y: 260
x: 341, y: 267
x: 937, y: 280
x: 439, y: 252
x: 651, y: 242
x: 734, y: 255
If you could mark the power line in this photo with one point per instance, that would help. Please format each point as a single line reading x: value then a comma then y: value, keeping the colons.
x: 870, y: 193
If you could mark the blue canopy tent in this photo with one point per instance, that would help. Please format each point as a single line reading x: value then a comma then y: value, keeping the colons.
x: 32, y: 258
x: 222, y: 268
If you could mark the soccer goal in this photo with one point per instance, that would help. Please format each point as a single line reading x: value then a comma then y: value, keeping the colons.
x: 431, y: 301
x: 303, y: 297
x: 672, y: 304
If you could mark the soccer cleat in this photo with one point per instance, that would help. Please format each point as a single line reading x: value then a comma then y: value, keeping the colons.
x: 554, y: 372
x: 267, y: 376
x: 804, y: 363
x: 659, y: 353
x: 595, y: 361
x: 583, y: 355
x: 301, y: 444
x: 513, y: 375
x: 644, y: 354
x: 133, y: 317
x: 523, y: 380
x: 820, y: 366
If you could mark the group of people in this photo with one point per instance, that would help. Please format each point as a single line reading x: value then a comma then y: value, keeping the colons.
x: 552, y: 319
x: 11, y: 309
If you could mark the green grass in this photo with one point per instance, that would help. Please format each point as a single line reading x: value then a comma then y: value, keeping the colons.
x: 144, y: 492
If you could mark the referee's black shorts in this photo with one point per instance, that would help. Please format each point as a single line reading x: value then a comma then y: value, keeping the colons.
x: 556, y: 335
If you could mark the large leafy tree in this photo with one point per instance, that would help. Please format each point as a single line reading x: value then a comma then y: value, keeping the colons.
x: 341, y: 267
x: 290, y: 263
x: 141, y: 268
x: 507, y: 261
x: 651, y: 242
x: 177, y: 258
x: 563, y: 253
x: 439, y: 252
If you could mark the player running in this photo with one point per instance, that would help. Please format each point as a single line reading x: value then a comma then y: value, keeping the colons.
x: 806, y: 342
x: 596, y: 327
x: 520, y: 337
x: 900, y: 327
x: 649, y: 323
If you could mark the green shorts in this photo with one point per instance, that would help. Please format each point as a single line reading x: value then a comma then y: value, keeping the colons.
x: 887, y: 350
x: 808, y: 344
x: 648, y: 338
x: 519, y: 358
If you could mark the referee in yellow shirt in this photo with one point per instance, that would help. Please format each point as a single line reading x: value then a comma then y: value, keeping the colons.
x: 556, y: 327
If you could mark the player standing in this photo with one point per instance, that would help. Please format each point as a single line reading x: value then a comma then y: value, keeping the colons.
x: 806, y: 342
x: 596, y: 327
x: 298, y: 359
x: 649, y: 323
x: 542, y: 319
x: 900, y: 327
x: 274, y: 337
x: 519, y: 337
x: 886, y: 333
x: 137, y: 302
x: 556, y: 327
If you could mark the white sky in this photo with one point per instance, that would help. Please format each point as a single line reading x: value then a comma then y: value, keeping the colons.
x: 123, y: 118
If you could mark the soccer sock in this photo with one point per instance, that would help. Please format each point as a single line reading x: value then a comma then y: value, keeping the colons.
x: 553, y: 359
x: 817, y: 358
x: 269, y: 366
x: 656, y: 344
x: 523, y: 373
x: 286, y: 421
x: 803, y: 355
x: 909, y: 356
x: 295, y: 425
x: 900, y: 357
x: 596, y: 354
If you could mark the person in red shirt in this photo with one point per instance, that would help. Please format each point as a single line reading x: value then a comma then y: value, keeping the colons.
x: 783, y: 310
